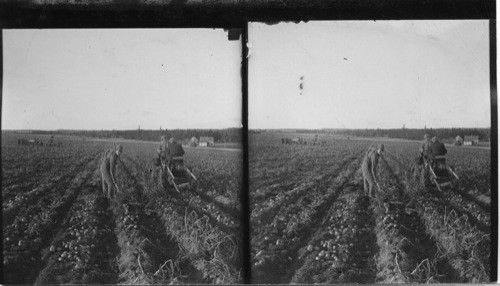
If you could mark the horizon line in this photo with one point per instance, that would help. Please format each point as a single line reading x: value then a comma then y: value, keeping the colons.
x: 364, y: 128
x: 274, y: 128
x: 168, y: 129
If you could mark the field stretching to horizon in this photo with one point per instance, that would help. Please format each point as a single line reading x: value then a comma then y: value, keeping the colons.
x: 59, y: 228
x: 312, y: 223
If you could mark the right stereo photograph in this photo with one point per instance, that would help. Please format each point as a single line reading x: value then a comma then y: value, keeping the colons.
x: 369, y: 152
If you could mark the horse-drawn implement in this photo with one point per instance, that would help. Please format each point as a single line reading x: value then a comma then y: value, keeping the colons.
x: 175, y: 174
x: 437, y: 171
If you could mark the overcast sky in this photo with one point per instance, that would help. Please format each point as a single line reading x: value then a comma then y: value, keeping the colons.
x: 120, y: 79
x: 366, y: 74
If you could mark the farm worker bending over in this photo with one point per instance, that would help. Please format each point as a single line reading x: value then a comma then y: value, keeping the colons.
x: 162, y: 150
x: 108, y: 166
x: 174, y: 149
x: 425, y: 148
x: 369, y: 168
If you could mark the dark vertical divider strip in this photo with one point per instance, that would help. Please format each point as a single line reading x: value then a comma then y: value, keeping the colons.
x: 494, y: 150
x: 1, y: 105
x: 245, y: 201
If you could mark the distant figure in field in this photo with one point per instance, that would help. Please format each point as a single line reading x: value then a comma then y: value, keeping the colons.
x: 108, y: 167
x: 437, y: 148
x: 369, y: 168
x: 162, y: 150
x: 425, y: 148
x: 174, y: 150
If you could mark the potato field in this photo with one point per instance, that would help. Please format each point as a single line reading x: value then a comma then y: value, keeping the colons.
x: 310, y: 220
x: 58, y: 227
x: 312, y: 223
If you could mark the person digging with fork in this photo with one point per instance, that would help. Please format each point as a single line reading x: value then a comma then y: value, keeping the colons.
x: 108, y: 167
x: 369, y: 168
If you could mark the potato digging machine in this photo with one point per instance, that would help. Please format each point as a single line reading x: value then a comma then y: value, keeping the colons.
x: 175, y: 173
x: 439, y: 172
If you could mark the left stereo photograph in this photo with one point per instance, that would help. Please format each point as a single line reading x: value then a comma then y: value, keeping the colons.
x: 122, y: 158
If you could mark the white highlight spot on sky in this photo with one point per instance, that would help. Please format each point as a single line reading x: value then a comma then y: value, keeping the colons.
x: 366, y: 74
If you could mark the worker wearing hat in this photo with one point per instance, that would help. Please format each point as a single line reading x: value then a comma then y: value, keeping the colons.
x: 369, y: 168
x: 425, y: 148
x: 437, y: 148
x: 108, y: 167
x: 174, y: 149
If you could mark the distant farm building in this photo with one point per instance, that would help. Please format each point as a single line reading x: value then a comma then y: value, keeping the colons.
x: 471, y: 140
x: 206, y: 141
x: 459, y: 141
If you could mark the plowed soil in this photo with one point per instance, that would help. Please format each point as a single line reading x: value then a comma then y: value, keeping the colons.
x: 59, y: 227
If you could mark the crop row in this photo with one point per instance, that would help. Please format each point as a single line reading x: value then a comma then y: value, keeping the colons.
x: 465, y: 247
x: 283, y: 197
x: 275, y: 243
x: 34, y: 164
x: 84, y: 249
x: 225, y: 219
x: 219, y: 172
x: 343, y: 247
x: 276, y: 168
x: 220, y: 209
x: 206, y: 236
x: 134, y: 241
x: 271, y: 199
x: 474, y: 210
x: 147, y: 255
x: 473, y: 166
x: 464, y: 200
x: 45, y: 188
x: 406, y: 253
x: 31, y: 229
x: 213, y: 253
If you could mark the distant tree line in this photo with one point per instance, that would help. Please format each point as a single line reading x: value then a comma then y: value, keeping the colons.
x: 417, y: 134
x: 235, y: 134
x: 220, y: 135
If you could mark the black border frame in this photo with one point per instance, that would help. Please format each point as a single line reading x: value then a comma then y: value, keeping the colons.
x: 25, y: 14
x: 494, y: 152
x: 220, y: 13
